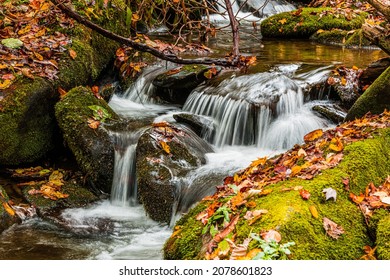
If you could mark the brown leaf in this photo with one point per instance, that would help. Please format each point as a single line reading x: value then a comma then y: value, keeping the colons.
x: 304, y: 194
x: 62, y: 92
x: 270, y: 235
x: 228, y: 229
x: 239, y: 250
x: 332, y: 229
x: 27, y: 72
x: 346, y: 183
x: 92, y: 123
x: 72, y: 53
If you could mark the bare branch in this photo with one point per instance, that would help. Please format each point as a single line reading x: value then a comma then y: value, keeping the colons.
x: 234, y: 25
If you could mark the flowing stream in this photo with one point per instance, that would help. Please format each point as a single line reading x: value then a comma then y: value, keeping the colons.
x: 262, y: 112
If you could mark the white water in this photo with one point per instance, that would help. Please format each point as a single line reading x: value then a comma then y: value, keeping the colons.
x: 249, y: 11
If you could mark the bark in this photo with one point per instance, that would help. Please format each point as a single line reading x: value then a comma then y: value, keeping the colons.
x: 378, y: 35
x: 234, y: 26
x: 382, y: 6
x: 145, y: 48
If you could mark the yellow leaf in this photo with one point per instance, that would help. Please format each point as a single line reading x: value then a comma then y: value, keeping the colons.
x: 283, y: 20
x: 336, y: 144
x: 319, y: 31
x: 295, y: 170
x: 355, y: 68
x: 314, y: 135
x: 5, y: 84
x: 313, y: 211
x: 38, y: 56
x: 165, y: 147
x: 27, y: 72
x: 343, y: 81
x: 3, y: 66
x: 252, y: 253
x: 259, y: 161
x: 25, y: 30
x: 72, y: 53
x: 9, y: 209
x: 135, y: 17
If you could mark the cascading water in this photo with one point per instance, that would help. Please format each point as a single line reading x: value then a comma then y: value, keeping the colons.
x: 264, y: 109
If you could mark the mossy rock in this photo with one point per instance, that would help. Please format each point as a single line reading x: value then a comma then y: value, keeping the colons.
x: 375, y: 99
x: 157, y: 166
x: 92, y: 148
x: 78, y: 197
x: 349, y: 39
x: 309, y: 21
x: 6, y: 219
x: 363, y: 162
x: 383, y: 238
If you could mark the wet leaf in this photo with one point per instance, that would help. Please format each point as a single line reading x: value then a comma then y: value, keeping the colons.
x: 62, y: 92
x: 282, y: 21
x: 165, y: 146
x: 8, y: 208
x: 332, y: 229
x: 336, y: 145
x: 314, y: 135
x: 313, y: 211
x: 92, y: 123
x: 330, y: 193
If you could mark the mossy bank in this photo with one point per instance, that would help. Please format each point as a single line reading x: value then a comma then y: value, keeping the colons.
x: 363, y: 162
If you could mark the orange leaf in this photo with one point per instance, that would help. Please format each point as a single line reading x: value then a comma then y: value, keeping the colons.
x: 343, y: 81
x: 314, y: 135
x: 165, y: 147
x: 357, y: 199
x: 72, y: 53
x: 313, y: 211
x: 282, y: 21
x: 92, y: 123
x: 62, y: 92
x: 270, y: 235
x: 304, y: 194
x: 9, y: 209
x: 237, y: 200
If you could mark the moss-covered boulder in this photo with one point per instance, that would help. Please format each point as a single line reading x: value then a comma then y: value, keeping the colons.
x: 349, y: 39
x: 383, y: 238
x: 305, y: 22
x: 285, y: 208
x: 92, y: 148
x: 375, y: 99
x: 164, y: 154
x: 7, y: 215
x: 175, y: 85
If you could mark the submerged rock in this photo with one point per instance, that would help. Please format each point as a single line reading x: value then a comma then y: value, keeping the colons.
x: 92, y: 148
x: 165, y: 153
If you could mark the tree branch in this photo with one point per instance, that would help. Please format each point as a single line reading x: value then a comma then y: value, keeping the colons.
x: 382, y: 6
x: 145, y: 48
x: 234, y: 25
x: 378, y: 36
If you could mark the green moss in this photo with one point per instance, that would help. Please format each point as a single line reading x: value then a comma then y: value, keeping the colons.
x: 92, y: 149
x: 363, y: 162
x: 383, y: 238
x: 374, y: 220
x: 288, y: 25
x: 350, y: 39
x: 375, y: 99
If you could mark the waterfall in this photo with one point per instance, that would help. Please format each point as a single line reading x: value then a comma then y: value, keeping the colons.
x: 124, y: 184
x: 265, y: 109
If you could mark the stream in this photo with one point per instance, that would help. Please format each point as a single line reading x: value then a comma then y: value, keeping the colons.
x: 119, y: 228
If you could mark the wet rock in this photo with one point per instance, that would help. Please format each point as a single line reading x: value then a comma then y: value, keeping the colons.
x: 349, y: 39
x: 7, y: 219
x: 332, y: 112
x: 92, y: 148
x: 165, y: 153
x: 174, y: 86
x: 199, y: 124
x: 373, y: 71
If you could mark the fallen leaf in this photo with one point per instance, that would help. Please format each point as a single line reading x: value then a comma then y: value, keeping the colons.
x: 92, y: 123
x: 12, y: 43
x: 336, y: 145
x: 304, y: 194
x: 330, y: 193
x: 8, y: 208
x: 385, y: 200
x: 357, y: 199
x: 165, y: 146
x: 370, y: 253
x: 313, y: 211
x: 346, y: 183
x: 27, y: 72
x: 62, y: 92
x: 314, y: 135
x: 72, y: 53
x: 5, y: 84
x: 270, y: 235
x: 239, y: 251
x: 332, y: 229
x: 282, y: 21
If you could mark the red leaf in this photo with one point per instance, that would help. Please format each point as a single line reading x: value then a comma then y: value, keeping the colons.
x: 304, y: 194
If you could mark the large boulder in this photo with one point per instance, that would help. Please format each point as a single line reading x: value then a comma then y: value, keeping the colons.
x: 92, y: 148
x: 375, y: 99
x: 164, y: 154
x: 305, y: 22
x: 295, y: 205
